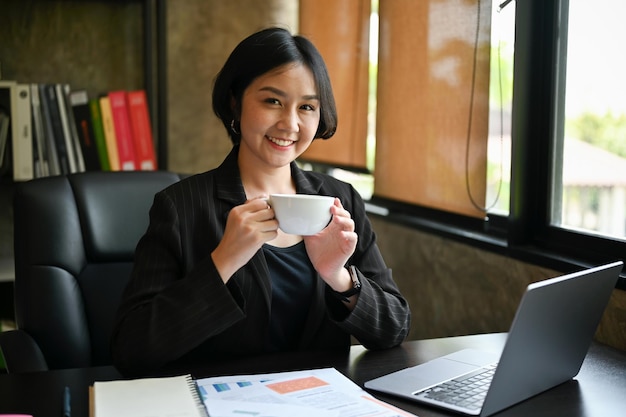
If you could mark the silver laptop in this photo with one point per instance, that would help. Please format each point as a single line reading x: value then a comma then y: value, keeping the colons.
x: 546, y: 345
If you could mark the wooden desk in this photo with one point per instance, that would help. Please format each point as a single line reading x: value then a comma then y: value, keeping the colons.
x: 598, y: 391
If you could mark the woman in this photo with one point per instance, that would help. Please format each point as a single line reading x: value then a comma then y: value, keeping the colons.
x: 214, y: 276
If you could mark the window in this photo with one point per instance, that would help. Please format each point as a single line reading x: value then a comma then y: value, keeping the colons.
x: 500, y: 102
x: 530, y: 165
x: 431, y: 151
x: 432, y: 114
x: 546, y: 47
x: 589, y: 180
x: 340, y: 30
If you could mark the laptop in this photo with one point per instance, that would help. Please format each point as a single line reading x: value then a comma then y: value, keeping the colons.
x: 551, y: 333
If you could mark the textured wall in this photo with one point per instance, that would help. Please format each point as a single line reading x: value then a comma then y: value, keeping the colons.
x: 95, y: 46
x: 456, y: 289
x: 453, y: 288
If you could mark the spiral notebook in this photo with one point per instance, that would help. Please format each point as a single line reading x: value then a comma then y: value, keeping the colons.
x: 157, y: 397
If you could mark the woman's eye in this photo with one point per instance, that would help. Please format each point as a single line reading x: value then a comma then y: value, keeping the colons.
x: 309, y: 107
x: 272, y: 101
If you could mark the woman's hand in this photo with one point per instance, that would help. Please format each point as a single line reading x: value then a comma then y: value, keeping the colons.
x: 330, y: 249
x: 248, y: 227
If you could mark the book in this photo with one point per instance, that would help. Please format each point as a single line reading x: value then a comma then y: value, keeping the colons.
x: 40, y: 151
x: 73, y: 132
x: 15, y: 105
x: 6, y: 135
x: 70, y: 147
x: 142, y: 130
x: 5, y: 122
x: 109, y: 133
x: 22, y: 140
x: 155, y: 397
x: 79, y: 102
x: 54, y: 163
x: 123, y: 130
x: 98, y: 134
x: 52, y: 116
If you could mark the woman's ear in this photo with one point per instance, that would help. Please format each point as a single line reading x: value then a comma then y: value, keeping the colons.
x: 235, y: 108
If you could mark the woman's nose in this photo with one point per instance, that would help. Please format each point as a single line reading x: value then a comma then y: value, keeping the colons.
x: 289, y: 121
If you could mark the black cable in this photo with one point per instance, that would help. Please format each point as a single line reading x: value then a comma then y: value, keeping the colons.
x: 471, y: 113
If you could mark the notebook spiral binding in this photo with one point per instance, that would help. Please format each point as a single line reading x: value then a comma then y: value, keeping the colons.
x: 197, y: 396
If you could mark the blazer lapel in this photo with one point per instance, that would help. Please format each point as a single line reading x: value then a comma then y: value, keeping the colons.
x: 259, y: 270
x: 304, y: 184
x: 229, y: 189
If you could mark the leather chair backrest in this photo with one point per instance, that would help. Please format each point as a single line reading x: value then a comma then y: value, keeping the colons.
x: 74, y: 240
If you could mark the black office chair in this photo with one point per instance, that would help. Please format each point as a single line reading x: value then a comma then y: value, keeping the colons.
x: 75, y: 237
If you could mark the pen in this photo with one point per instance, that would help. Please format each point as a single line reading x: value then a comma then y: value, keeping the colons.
x: 503, y: 5
x: 67, y: 409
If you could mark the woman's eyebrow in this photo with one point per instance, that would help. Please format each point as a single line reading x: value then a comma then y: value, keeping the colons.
x: 281, y: 93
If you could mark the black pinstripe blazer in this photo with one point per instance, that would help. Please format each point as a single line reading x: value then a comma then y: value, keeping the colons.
x: 177, y: 311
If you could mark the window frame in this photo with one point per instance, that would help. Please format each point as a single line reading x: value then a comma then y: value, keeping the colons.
x: 537, y: 129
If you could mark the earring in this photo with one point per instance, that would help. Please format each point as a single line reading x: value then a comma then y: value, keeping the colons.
x: 232, y: 127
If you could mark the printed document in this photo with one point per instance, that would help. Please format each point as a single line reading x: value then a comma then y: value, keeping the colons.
x: 311, y: 393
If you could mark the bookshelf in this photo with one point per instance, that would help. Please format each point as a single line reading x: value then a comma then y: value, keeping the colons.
x: 96, y: 45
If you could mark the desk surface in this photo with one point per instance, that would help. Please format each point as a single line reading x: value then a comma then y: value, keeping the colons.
x: 597, y: 391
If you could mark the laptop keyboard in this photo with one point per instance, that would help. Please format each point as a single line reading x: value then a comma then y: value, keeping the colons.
x: 467, y: 391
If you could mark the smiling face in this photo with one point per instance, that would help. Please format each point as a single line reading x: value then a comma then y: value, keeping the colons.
x: 280, y: 114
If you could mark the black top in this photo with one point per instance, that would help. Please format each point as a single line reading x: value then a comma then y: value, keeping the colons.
x: 293, y: 277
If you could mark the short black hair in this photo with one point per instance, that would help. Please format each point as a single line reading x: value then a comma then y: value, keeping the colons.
x: 258, y: 54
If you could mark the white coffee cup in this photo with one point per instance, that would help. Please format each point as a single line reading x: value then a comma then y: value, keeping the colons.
x: 301, y: 214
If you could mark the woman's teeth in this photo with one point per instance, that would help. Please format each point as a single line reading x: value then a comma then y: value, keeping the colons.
x: 280, y: 142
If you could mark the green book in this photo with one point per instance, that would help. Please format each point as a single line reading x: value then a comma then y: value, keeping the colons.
x: 98, y: 133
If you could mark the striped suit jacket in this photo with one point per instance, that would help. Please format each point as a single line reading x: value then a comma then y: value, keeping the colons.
x: 176, y: 310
